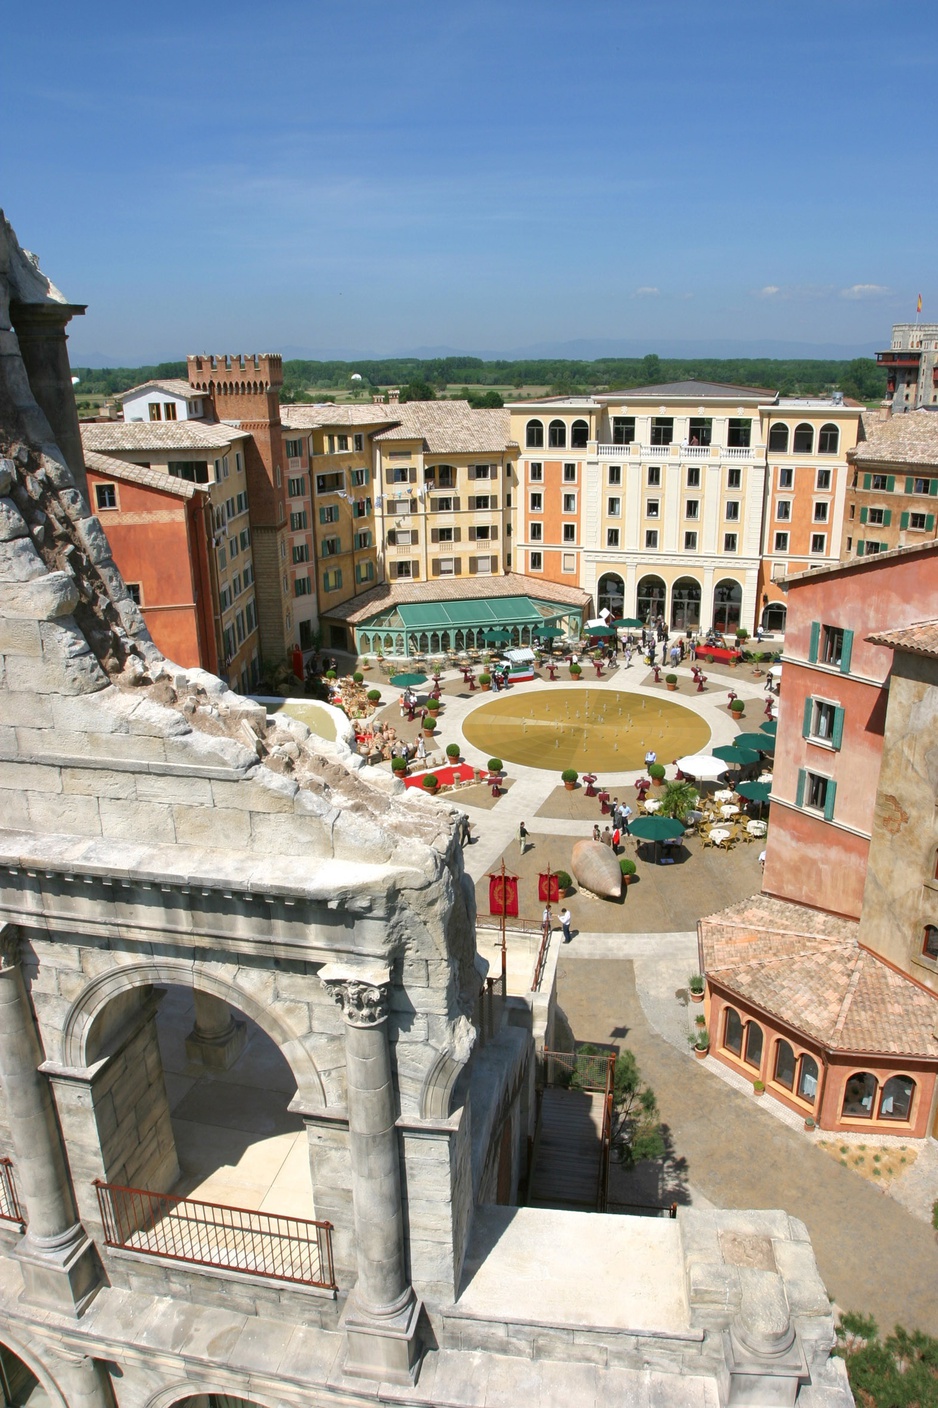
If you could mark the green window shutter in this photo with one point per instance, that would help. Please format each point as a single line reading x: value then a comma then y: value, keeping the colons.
x: 837, y: 736
x: 799, y: 791
x: 867, y: 481
x: 933, y: 486
x: 846, y: 653
x: 903, y: 520
x: 322, y: 515
x: 860, y: 547
x: 887, y: 517
x: 891, y: 484
x: 864, y: 514
x: 808, y: 711
x: 815, y: 642
x: 908, y: 484
x: 929, y: 522
x: 829, y: 801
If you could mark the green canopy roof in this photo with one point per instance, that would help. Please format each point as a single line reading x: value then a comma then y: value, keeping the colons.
x: 473, y: 613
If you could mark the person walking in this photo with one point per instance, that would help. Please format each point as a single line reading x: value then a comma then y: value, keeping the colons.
x: 565, y: 921
x: 547, y: 922
x: 523, y: 838
x: 597, y: 834
x: 625, y: 811
x: 615, y: 841
x: 607, y: 837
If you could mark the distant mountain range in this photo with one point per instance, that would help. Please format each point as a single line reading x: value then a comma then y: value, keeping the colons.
x: 583, y: 349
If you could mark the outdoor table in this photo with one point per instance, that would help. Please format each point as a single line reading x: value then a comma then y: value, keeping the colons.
x: 729, y: 810
x: 552, y: 671
x: 652, y: 805
x: 766, y: 777
x: 589, y: 778
x: 757, y: 828
x: 725, y: 794
x: 599, y: 668
x: 718, y: 836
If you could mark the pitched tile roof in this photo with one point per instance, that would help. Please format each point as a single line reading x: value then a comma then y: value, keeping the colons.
x: 806, y: 969
x: 142, y: 474
x: 450, y: 427
x: 920, y: 639
x: 902, y: 439
x: 110, y: 435
x: 858, y: 564
x: 313, y: 415
x: 391, y: 594
x: 172, y: 385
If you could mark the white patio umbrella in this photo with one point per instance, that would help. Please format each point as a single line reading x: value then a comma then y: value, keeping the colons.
x: 702, y: 766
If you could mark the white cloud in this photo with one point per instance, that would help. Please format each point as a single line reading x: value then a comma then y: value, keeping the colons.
x: 865, y: 291
x: 769, y: 291
x: 646, y: 291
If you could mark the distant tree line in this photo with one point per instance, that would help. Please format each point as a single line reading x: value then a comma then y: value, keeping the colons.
x: 425, y: 379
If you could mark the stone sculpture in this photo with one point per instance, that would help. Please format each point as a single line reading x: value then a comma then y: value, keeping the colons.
x: 596, y: 869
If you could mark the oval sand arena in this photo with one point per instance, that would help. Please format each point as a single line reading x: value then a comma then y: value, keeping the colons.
x: 586, y: 729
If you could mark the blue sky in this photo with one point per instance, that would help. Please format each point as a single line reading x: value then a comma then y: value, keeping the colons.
x: 494, y: 175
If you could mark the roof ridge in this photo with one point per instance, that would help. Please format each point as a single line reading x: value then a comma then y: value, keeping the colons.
x: 849, y: 994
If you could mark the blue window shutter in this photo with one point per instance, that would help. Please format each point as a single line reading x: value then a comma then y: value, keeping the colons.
x: 837, y: 736
x: 890, y: 484
x: 909, y: 484
x: 861, y: 545
x: 815, y: 642
x: 829, y: 800
x: 799, y: 792
x: 808, y: 711
x: 846, y: 653
x: 867, y: 481
x: 903, y: 520
x: 929, y: 522
x: 864, y: 514
x: 887, y: 517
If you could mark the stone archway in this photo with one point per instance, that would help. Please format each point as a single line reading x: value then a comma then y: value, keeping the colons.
x: 685, y: 604
x: 610, y: 594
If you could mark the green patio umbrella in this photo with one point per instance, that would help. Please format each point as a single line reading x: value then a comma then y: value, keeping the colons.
x: 770, y: 727
x: 408, y: 681
x: 755, y: 791
x: 548, y: 632
x: 760, y: 741
x: 600, y: 631
x: 738, y: 757
x: 657, y: 829
x: 629, y: 623
x: 498, y: 637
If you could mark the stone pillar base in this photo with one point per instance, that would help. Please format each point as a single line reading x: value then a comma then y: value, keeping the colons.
x: 384, y: 1350
x: 63, y: 1277
x: 216, y: 1053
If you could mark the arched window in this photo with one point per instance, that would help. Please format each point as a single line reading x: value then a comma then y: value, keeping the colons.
x: 685, y: 604
x: 930, y: 941
x: 733, y: 1032
x: 895, y: 1103
x: 534, y: 436
x: 610, y: 594
x: 804, y: 439
x: 778, y: 439
x: 774, y: 617
x: 754, y: 1044
x: 650, y: 598
x: 859, y: 1094
x: 828, y: 440
x: 784, y: 1065
x: 807, y: 1078
x: 579, y: 435
x: 727, y: 604
x: 557, y: 435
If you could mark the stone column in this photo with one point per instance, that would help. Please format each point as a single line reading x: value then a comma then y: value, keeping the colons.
x: 216, y: 1040
x: 56, y: 1256
x: 40, y: 332
x: 382, y: 1312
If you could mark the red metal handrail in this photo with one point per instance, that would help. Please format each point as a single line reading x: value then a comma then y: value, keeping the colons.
x: 602, y: 1193
x: 10, y: 1209
x: 541, y: 959
x: 211, y: 1234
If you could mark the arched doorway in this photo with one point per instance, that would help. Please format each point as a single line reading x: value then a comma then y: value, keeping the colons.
x: 610, y: 594
x: 18, y: 1384
x: 727, y: 605
x: 774, y: 618
x: 685, y: 604
x: 650, y: 598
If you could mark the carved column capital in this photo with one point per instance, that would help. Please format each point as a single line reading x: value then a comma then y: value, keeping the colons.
x: 364, y: 1002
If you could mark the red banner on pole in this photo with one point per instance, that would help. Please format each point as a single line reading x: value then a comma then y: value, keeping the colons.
x: 503, y: 895
x: 548, y: 889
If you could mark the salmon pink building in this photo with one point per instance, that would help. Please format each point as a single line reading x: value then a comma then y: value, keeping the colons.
x: 825, y: 987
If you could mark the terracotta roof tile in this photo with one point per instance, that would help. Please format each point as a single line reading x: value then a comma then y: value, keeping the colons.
x: 141, y: 474
x: 902, y: 439
x: 920, y: 639
x: 116, y: 435
x: 313, y: 415
x: 451, y: 428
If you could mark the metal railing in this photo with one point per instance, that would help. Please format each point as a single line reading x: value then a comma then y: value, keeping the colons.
x: 643, y: 1209
x: 10, y: 1209
x: 541, y: 960
x: 210, y: 1234
x: 602, y: 1190
x: 583, y: 1070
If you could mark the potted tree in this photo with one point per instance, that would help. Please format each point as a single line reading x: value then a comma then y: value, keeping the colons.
x: 695, y: 984
x: 452, y: 752
x: 656, y: 773
x: 496, y: 765
x: 399, y: 767
x: 738, y: 708
x: 431, y: 783
x: 627, y: 867
x: 563, y: 881
x: 485, y: 681
x: 671, y: 682
x: 576, y: 671
x: 374, y: 696
x: 358, y: 677
x: 677, y: 799
x: 433, y: 706
x: 568, y: 777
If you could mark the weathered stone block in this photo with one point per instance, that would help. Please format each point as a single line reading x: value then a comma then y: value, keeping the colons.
x: 143, y: 821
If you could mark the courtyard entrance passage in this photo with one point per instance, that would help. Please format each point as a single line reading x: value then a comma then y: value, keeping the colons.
x: 571, y: 1143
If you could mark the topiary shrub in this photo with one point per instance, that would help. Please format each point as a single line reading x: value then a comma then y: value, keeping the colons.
x: 431, y: 782
x: 452, y: 750
x: 569, y: 775
x: 738, y: 706
x: 433, y: 706
x: 576, y: 670
x: 485, y: 679
x: 398, y: 764
x: 374, y: 696
x: 331, y: 675
x: 656, y: 771
x: 670, y: 679
x: 626, y: 865
x: 495, y: 765
x: 563, y: 881
x: 358, y: 677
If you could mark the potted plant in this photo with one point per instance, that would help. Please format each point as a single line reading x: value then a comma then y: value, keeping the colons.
x: 374, y: 696
x: 485, y: 681
x: 701, y: 1043
x: 576, y: 671
x: 429, y: 726
x: 568, y: 777
x: 695, y: 985
x: 738, y: 708
x: 810, y: 1124
x: 656, y: 773
x: 758, y: 1087
x: 431, y: 782
x: 742, y: 635
x: 358, y: 677
x: 331, y: 675
x: 495, y: 765
x: 563, y: 881
x: 671, y: 682
x: 399, y: 765
x: 627, y: 867
x: 452, y: 752
x: 678, y: 798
